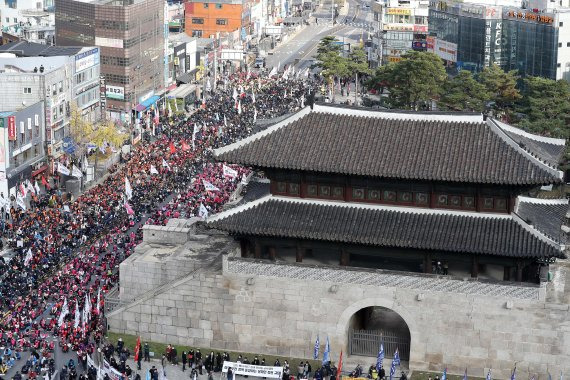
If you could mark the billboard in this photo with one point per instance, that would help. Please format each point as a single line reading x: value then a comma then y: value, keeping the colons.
x: 109, y: 42
x: 86, y: 59
x: 115, y: 92
x: 399, y: 11
x: 443, y: 49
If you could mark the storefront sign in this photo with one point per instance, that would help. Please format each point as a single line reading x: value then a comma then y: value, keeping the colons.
x: 487, y: 49
x: 420, y: 28
x: 146, y: 96
x: 11, y: 128
x: 529, y: 16
x: 398, y: 11
x: 86, y: 59
x: 399, y: 27
x: 394, y: 59
x: 115, y: 92
x: 443, y: 49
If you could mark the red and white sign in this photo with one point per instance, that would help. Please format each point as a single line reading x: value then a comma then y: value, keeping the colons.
x: 12, y: 128
x: 443, y: 49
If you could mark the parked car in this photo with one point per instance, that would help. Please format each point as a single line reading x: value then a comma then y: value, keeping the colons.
x: 259, y: 63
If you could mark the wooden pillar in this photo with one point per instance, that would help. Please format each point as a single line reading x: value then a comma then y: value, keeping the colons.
x: 519, y: 271
x: 272, y: 253
x: 257, y: 250
x: 474, y: 266
x: 344, y: 257
x: 299, y: 253
x: 427, y: 262
x: 243, y: 247
x: 506, y: 273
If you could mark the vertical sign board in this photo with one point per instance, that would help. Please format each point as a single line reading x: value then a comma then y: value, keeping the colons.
x: 12, y: 128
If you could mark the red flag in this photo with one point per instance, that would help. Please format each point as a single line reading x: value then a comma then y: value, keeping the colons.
x: 339, y: 366
x: 129, y: 209
x: 185, y: 146
x: 172, y: 148
x: 138, y: 349
x: 45, y: 183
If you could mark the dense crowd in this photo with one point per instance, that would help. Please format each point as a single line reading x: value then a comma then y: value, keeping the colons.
x: 67, y: 253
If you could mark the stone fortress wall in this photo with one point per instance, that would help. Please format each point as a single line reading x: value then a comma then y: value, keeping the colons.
x: 226, y: 302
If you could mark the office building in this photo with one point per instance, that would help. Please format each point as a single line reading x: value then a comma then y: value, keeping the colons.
x: 131, y: 36
x: 473, y: 36
x: 399, y: 26
x: 205, y: 19
x: 31, y: 20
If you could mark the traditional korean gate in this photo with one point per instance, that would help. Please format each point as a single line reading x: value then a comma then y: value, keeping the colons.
x: 367, y: 343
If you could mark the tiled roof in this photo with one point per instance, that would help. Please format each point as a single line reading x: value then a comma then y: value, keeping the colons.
x: 452, y: 231
x: 32, y: 49
x: 453, y: 148
x: 546, y: 215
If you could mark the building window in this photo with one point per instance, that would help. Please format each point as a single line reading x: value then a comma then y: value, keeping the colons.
x: 488, y: 203
x: 206, y: 5
x: 358, y: 193
x: 421, y: 199
x: 311, y: 190
x: 197, y: 20
x: 293, y: 188
x: 500, y: 204
x: 442, y: 200
x: 560, y: 44
x: 324, y: 191
x: 196, y: 33
x: 338, y: 192
x: 221, y: 21
x: 567, y: 44
x: 561, y: 24
x: 27, y: 90
x: 218, y: 6
x: 389, y: 196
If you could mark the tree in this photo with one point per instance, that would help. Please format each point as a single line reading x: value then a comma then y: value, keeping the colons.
x: 545, y: 107
x: 463, y: 93
x: 415, y: 81
x: 330, y: 60
x: 501, y: 87
x: 382, y: 77
x: 358, y: 61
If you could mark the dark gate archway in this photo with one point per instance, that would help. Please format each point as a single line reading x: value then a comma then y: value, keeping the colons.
x: 371, y: 326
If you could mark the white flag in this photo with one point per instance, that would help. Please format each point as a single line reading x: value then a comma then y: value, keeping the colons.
x: 229, y: 172
x: 31, y: 188
x: 128, y: 189
x: 244, y: 180
x: 20, y: 202
x: 202, y: 211
x: 62, y: 169
x: 87, y: 308
x: 153, y: 170
x: 225, y: 121
x: 273, y: 72
x: 235, y: 94
x: 98, y: 306
x: 29, y: 257
x: 37, y: 187
x: 75, y: 172
x: 64, y: 312
x: 253, y: 97
x: 239, y: 108
x: 77, y: 315
x: 84, y: 163
x: 254, y: 114
x: 209, y: 187
x: 165, y: 164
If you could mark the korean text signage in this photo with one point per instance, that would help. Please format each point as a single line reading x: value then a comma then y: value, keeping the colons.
x: 86, y: 59
x: 11, y: 128
x: 529, y: 16
x: 253, y: 370
x: 115, y: 92
x: 399, y: 11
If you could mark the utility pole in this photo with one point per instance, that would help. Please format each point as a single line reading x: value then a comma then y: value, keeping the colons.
x: 356, y: 89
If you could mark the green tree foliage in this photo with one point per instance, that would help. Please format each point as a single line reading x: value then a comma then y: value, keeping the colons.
x: 463, y: 93
x: 358, y: 61
x: 545, y: 107
x: 502, y: 89
x: 330, y: 60
x: 414, y: 81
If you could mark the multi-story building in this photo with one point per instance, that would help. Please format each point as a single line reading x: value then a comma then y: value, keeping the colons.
x: 32, y: 20
x: 131, y: 37
x: 29, y: 80
x: 22, y: 146
x: 399, y: 26
x: 512, y: 35
x: 205, y: 18
x: 85, y: 68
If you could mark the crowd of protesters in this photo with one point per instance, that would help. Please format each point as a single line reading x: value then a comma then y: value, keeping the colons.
x: 67, y: 253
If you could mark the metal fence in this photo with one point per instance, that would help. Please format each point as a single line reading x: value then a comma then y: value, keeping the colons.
x: 367, y: 343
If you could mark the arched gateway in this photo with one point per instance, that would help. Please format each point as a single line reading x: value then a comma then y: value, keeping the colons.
x: 368, y: 322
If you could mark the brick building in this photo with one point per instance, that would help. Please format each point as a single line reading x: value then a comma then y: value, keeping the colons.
x: 204, y: 18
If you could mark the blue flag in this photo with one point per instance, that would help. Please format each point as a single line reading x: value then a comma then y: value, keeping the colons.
x: 488, y: 375
x: 148, y: 375
x: 316, y: 350
x: 444, y: 376
x: 380, y: 357
x: 327, y: 353
x: 513, y: 375
x: 395, y: 362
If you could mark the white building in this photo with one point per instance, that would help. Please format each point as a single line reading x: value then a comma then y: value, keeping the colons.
x: 33, y: 20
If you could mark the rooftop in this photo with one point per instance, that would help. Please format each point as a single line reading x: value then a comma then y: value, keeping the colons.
x: 432, y: 146
x: 27, y: 64
x: 388, y: 226
x: 31, y: 49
